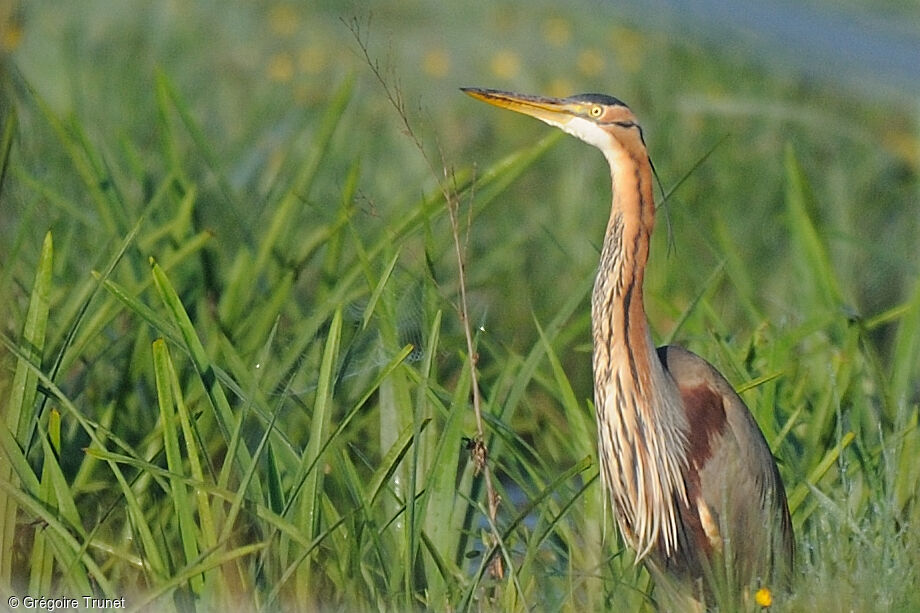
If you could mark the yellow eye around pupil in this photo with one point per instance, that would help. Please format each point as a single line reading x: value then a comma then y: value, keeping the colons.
x: 596, y: 111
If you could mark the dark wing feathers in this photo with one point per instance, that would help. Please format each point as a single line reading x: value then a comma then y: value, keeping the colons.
x: 735, y: 495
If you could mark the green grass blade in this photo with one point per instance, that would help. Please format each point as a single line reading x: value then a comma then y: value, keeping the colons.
x: 283, y: 219
x: 206, y: 514
x: 10, y: 124
x: 258, y: 323
x: 288, y: 529
x: 378, y: 290
x: 210, y: 562
x: 57, y: 494
x: 908, y: 473
x: 162, y: 367
x: 21, y: 403
x: 310, y: 495
x: 534, y: 548
x: 42, y: 558
x: 445, y: 509
x: 24, y: 388
x: 906, y: 350
x: 46, y: 192
x: 100, y: 173
x: 85, y: 326
x: 814, y: 262
x: 63, y: 495
x: 251, y: 474
x: 168, y: 145
x: 704, y: 288
x: 307, y: 468
x: 292, y: 568
x: 338, y: 233
x: 92, y: 181
x: 167, y: 90
x: 203, y: 366
x: 537, y: 353
x: 797, y: 496
x: 64, y: 539
x: 390, y: 462
x: 487, y: 187
x: 736, y: 269
x: 319, y: 426
x: 498, y: 176
x: 18, y: 467
x: 161, y: 325
x: 519, y: 519
x: 274, y: 486
x: 134, y: 508
x: 424, y: 460
x: 580, y: 421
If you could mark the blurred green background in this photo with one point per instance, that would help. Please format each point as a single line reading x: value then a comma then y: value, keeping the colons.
x: 254, y: 73
x: 786, y: 254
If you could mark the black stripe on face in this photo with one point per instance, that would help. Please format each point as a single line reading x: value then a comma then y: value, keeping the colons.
x: 627, y: 125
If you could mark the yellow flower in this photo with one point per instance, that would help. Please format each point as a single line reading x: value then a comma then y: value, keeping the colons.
x: 557, y: 31
x: 10, y: 25
x: 904, y: 145
x: 590, y: 62
x: 10, y: 36
x: 505, y: 64
x: 627, y: 48
x: 560, y: 88
x: 312, y: 59
x: 281, y: 67
x: 283, y: 19
x: 763, y: 597
x: 436, y: 63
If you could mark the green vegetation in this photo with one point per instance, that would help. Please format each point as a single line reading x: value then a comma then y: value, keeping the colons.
x: 233, y: 369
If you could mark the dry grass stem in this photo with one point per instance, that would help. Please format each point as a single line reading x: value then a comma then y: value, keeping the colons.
x: 447, y: 185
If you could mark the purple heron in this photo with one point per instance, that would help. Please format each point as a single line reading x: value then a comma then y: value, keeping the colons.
x: 693, y: 485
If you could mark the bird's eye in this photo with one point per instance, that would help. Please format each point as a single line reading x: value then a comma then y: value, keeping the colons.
x: 596, y: 111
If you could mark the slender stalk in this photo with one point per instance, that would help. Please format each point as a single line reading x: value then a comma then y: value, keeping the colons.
x: 478, y: 448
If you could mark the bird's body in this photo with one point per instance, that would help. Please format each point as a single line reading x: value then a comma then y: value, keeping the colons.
x: 693, y: 484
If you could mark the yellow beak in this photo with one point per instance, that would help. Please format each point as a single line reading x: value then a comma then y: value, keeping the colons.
x: 554, y: 111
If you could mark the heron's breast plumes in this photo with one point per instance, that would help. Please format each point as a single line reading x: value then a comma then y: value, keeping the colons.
x: 642, y: 463
x: 641, y: 425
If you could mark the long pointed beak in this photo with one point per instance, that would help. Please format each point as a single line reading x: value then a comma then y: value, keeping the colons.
x: 554, y: 111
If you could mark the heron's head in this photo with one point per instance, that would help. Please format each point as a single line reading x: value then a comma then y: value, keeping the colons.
x: 602, y: 121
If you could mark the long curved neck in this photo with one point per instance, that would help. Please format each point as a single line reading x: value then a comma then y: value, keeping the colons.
x: 618, y: 310
x: 641, y: 426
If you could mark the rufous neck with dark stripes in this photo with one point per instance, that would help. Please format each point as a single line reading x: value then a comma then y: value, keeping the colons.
x: 641, y: 426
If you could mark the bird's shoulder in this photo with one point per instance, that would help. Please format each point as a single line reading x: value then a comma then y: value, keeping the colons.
x: 712, y: 407
x: 690, y: 371
x: 733, y: 486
